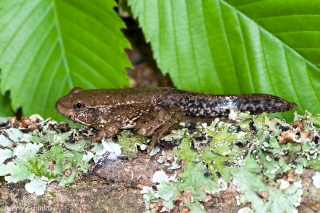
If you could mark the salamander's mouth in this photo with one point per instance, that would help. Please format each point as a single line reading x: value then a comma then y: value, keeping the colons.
x: 64, y: 110
x: 67, y: 110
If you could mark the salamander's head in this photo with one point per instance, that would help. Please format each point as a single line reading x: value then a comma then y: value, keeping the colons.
x: 70, y: 106
x: 79, y: 106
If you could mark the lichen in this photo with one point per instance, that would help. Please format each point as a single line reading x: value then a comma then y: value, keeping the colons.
x: 256, y: 154
x: 252, y: 152
x: 129, y: 142
x: 41, y: 155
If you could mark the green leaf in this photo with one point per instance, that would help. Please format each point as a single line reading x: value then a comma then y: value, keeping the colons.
x: 39, y: 169
x: 5, y: 107
x: 50, y: 46
x: 237, y: 46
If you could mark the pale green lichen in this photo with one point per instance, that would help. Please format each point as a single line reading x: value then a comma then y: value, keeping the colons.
x: 248, y: 179
x: 244, y: 152
x: 316, y: 180
x: 42, y: 157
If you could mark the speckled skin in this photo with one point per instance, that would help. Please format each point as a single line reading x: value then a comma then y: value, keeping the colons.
x: 207, y: 105
x: 158, y: 109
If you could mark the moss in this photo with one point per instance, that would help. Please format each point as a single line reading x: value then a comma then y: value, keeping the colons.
x: 129, y: 143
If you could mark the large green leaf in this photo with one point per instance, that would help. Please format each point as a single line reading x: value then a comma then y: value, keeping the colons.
x: 237, y: 46
x: 50, y: 46
x: 5, y: 107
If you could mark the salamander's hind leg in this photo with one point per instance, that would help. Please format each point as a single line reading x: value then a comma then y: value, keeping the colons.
x: 158, y: 123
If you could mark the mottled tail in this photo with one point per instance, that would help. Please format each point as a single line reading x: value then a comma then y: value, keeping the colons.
x: 207, y: 105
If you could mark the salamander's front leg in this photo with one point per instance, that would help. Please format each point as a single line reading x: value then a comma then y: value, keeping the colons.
x: 158, y: 123
x: 107, y: 131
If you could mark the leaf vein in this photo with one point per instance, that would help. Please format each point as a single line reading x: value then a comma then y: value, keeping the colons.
x: 194, y: 57
x: 62, y: 46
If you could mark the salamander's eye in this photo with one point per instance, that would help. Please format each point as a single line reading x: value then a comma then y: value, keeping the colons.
x: 78, y: 106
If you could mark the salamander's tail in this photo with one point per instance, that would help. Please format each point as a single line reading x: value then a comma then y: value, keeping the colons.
x: 258, y: 103
x: 207, y: 105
